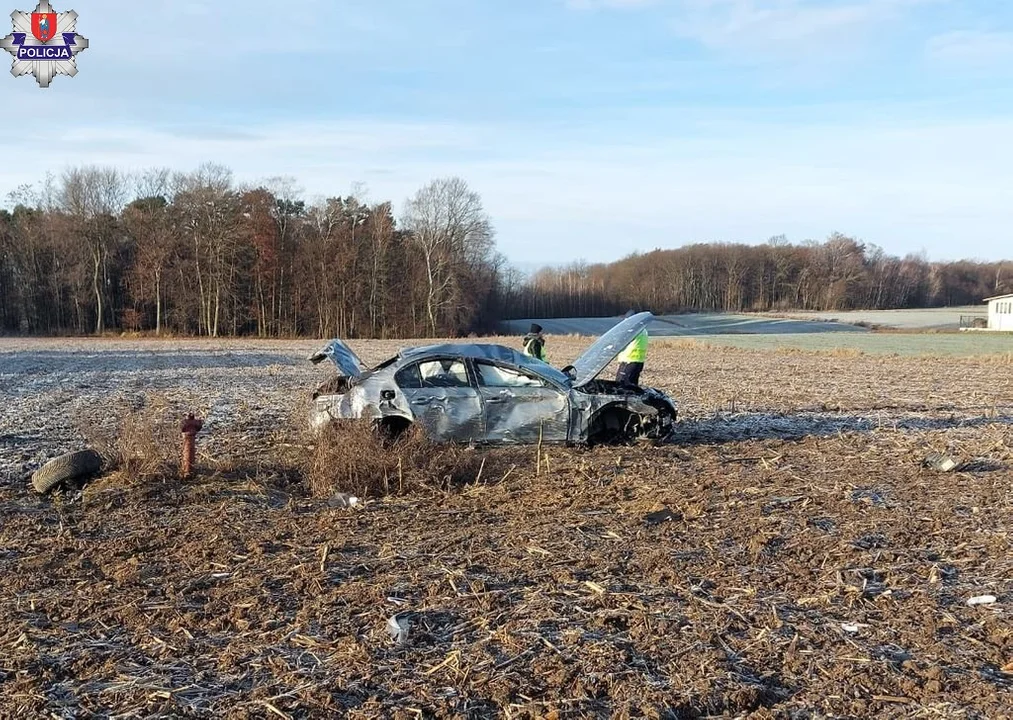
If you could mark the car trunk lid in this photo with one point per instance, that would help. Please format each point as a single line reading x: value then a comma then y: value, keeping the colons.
x: 346, y: 361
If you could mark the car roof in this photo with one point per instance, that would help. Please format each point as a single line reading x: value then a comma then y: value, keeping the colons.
x: 482, y: 351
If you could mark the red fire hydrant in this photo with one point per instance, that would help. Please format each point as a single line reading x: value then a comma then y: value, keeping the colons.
x: 189, y: 427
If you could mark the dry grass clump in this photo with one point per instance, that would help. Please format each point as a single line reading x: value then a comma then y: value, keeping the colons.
x: 143, y: 447
x: 149, y: 446
x: 682, y: 343
x: 352, y: 457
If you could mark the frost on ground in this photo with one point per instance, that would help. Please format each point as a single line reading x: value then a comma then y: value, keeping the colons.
x: 788, y: 555
x: 58, y: 393
x: 911, y: 319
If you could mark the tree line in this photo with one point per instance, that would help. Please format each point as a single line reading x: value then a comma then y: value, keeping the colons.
x: 96, y: 250
x: 839, y: 273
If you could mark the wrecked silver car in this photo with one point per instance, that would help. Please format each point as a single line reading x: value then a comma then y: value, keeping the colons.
x: 476, y: 393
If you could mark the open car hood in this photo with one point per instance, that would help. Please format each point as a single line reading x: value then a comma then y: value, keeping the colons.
x: 605, y: 349
x: 347, y: 362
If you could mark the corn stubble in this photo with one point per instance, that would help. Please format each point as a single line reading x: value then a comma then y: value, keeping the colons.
x: 790, y: 557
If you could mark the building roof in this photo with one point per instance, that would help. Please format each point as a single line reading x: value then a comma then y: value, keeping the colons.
x: 998, y: 297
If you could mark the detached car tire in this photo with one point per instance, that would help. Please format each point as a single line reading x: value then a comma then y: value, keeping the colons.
x: 66, y: 467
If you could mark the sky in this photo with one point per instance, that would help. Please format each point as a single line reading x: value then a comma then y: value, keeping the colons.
x: 591, y: 128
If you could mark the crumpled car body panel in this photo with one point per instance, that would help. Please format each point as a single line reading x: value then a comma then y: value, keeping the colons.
x: 482, y: 393
x: 537, y: 415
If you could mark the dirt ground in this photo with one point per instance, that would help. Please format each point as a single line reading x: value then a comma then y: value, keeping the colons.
x: 786, y: 555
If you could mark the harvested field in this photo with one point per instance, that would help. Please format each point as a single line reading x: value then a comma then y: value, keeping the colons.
x: 787, y: 555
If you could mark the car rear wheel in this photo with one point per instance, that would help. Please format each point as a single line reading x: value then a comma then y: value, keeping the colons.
x: 392, y: 428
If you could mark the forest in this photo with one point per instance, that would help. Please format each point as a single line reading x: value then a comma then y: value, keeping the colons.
x: 96, y: 250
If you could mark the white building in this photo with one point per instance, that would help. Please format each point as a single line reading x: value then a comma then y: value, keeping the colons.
x: 1000, y: 313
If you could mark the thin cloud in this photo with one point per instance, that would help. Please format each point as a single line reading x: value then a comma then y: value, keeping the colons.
x: 904, y: 186
x: 739, y: 129
x: 599, y: 4
x: 786, y: 25
x: 982, y: 50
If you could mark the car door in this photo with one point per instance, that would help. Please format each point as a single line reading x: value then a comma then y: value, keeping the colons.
x: 521, y: 407
x: 443, y: 399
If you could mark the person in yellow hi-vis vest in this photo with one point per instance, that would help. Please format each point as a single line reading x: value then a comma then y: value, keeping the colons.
x: 632, y: 359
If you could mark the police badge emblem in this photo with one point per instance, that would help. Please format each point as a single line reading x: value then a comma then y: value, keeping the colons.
x: 44, y: 43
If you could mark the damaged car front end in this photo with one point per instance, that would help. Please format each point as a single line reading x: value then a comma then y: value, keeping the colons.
x: 482, y: 393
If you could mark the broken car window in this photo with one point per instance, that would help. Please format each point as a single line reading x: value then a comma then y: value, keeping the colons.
x: 494, y: 376
x: 443, y: 373
x: 408, y: 378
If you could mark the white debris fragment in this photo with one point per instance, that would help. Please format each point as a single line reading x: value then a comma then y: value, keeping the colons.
x: 942, y: 463
x: 852, y: 627
x: 343, y: 500
x: 982, y: 600
x: 398, y: 629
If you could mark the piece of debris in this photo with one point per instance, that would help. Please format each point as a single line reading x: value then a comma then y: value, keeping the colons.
x: 1007, y: 668
x: 942, y: 463
x: 398, y: 629
x: 982, y: 600
x: 659, y: 516
x: 852, y: 627
x: 343, y: 500
x: 70, y: 466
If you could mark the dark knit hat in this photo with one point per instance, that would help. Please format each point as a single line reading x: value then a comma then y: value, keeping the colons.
x: 535, y: 328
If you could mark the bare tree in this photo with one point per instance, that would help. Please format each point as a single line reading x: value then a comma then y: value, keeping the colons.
x: 194, y: 254
x: 147, y: 219
x: 210, y: 209
x: 92, y: 197
x: 450, y: 228
x: 381, y: 235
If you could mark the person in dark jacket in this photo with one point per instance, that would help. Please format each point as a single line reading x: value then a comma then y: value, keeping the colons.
x: 534, y: 343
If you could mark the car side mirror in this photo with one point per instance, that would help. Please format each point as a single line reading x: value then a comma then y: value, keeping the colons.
x: 570, y: 371
x: 387, y: 394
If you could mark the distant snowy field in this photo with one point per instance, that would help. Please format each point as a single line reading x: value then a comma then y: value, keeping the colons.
x: 791, y: 323
x: 920, y: 319
x: 691, y: 324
